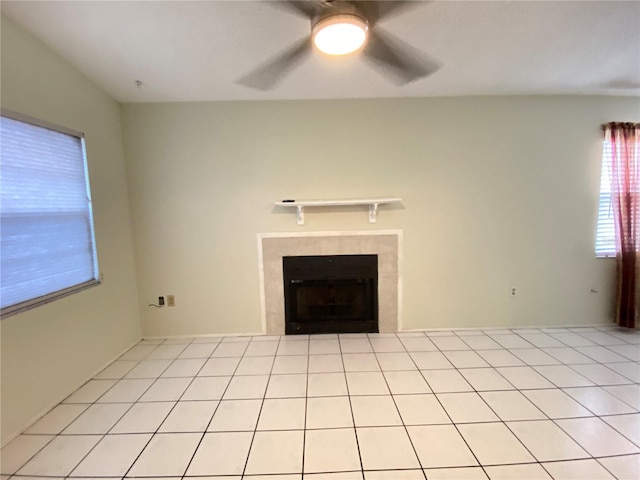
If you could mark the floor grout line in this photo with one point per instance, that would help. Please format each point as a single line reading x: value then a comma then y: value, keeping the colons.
x: 353, y: 419
x: 244, y: 470
x: 306, y: 405
x: 395, y: 404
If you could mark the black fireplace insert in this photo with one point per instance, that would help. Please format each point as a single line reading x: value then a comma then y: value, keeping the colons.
x: 331, y: 294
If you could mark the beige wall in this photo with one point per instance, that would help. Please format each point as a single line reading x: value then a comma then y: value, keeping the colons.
x: 497, y: 192
x: 48, y: 351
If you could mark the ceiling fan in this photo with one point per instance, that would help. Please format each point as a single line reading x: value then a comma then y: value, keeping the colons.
x: 340, y: 27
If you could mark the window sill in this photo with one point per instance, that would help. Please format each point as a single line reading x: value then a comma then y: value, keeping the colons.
x: 36, y: 302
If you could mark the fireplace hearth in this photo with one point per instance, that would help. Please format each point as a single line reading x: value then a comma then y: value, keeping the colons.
x: 330, y: 294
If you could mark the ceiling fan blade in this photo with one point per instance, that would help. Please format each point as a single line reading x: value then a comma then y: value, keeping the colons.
x: 380, y: 10
x: 303, y: 8
x: 270, y: 73
x: 396, y: 58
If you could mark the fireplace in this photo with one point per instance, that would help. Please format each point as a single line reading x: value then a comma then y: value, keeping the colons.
x: 273, y: 247
x: 330, y: 294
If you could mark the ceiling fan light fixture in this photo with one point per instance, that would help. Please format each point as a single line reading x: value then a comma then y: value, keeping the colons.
x: 340, y: 34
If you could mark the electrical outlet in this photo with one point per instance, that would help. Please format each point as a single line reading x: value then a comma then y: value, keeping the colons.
x: 161, y: 301
x: 171, y: 301
x: 513, y: 291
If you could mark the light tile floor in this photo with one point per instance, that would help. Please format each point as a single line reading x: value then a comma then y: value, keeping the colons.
x: 500, y: 404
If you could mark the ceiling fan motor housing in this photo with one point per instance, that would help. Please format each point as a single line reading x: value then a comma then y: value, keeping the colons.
x: 327, y: 9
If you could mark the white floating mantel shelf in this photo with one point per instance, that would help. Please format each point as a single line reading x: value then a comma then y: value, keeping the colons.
x: 372, y: 202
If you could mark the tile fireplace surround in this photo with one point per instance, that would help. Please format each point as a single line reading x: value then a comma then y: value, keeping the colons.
x: 384, y: 243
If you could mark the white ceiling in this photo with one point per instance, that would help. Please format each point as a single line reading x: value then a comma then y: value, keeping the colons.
x: 195, y: 50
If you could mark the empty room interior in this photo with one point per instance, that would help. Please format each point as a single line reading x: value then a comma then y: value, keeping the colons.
x: 386, y: 264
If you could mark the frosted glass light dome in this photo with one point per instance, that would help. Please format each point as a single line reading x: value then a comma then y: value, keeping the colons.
x: 340, y: 34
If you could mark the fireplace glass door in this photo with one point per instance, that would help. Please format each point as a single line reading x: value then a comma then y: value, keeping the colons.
x: 331, y: 294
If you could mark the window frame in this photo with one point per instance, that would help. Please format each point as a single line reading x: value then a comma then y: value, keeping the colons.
x: 97, y: 280
x: 604, y: 177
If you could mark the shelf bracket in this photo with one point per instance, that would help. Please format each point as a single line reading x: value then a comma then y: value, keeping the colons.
x: 300, y: 215
x: 373, y: 212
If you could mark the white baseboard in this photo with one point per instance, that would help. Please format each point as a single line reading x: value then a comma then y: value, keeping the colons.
x: 507, y: 327
x: 205, y: 335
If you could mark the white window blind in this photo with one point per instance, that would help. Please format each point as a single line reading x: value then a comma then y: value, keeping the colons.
x: 47, y: 244
x: 606, y: 234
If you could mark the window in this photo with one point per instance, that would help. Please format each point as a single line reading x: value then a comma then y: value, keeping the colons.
x: 47, y: 244
x: 606, y: 234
